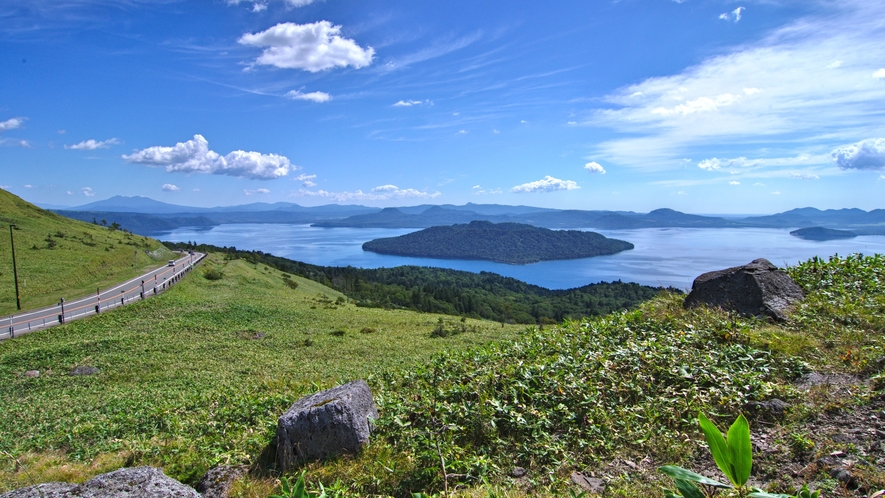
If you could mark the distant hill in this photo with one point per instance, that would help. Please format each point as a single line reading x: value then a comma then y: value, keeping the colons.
x: 512, y: 243
x: 821, y: 233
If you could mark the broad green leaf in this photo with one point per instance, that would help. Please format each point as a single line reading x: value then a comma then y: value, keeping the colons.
x: 688, y: 489
x: 687, y: 475
x: 718, y: 447
x: 741, y: 450
x: 670, y: 494
x: 763, y: 494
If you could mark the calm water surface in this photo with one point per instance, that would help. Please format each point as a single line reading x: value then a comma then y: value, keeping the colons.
x: 663, y: 256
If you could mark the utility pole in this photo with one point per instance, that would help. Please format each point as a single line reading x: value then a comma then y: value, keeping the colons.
x: 135, y: 261
x: 18, y: 300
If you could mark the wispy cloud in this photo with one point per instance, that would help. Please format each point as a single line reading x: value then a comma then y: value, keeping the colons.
x: 410, y: 103
x: 763, y: 95
x: 380, y: 193
x: 168, y: 187
x: 92, y: 144
x: 734, y: 15
x: 306, y: 180
x: 11, y: 124
x: 594, y: 167
x: 262, y: 191
x: 88, y: 192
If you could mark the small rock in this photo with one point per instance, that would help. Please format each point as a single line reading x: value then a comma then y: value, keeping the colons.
x: 218, y: 480
x: 518, y: 472
x: 844, y: 477
x: 772, y: 409
x: 588, y: 484
x: 630, y: 464
x: 84, y: 370
x: 32, y: 373
x: 137, y: 482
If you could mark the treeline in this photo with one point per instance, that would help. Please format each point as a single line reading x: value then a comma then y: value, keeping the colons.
x: 435, y: 290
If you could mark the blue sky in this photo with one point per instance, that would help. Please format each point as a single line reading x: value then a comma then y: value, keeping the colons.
x: 704, y: 106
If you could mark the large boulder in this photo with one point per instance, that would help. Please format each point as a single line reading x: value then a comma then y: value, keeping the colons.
x: 756, y: 289
x: 136, y: 482
x: 327, y: 423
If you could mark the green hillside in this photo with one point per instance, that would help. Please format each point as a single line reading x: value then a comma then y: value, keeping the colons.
x: 59, y: 257
x: 198, y: 375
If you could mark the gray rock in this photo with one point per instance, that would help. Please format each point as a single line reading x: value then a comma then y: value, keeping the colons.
x: 217, y: 482
x: 518, y: 472
x: 755, y: 289
x: 32, y: 373
x: 327, y: 423
x: 84, y: 370
x: 136, y: 482
x: 589, y: 484
x: 773, y: 409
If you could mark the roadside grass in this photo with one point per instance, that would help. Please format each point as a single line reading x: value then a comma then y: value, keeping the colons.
x: 59, y: 257
x: 198, y: 375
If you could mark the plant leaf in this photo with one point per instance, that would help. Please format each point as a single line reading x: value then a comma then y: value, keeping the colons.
x: 741, y: 450
x: 670, y: 494
x: 687, y: 475
x: 718, y: 447
x: 688, y: 489
x: 763, y: 494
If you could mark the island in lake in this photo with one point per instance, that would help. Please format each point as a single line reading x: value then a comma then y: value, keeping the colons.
x: 821, y: 233
x: 512, y: 243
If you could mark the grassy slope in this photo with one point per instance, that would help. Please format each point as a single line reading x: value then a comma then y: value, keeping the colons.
x: 84, y: 256
x: 185, y: 384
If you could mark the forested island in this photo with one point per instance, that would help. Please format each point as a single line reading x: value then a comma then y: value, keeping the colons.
x: 821, y: 233
x: 512, y: 243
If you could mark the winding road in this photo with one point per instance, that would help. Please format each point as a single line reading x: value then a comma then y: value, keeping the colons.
x: 136, y: 289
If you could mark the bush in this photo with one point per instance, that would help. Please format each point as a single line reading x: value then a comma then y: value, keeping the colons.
x: 213, y: 274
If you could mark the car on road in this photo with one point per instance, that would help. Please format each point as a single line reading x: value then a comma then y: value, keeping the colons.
x: 171, y: 262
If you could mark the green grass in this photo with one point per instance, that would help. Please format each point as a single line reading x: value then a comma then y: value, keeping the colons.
x: 199, y: 374
x: 59, y: 257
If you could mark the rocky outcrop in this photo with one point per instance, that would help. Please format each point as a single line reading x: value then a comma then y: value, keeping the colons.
x: 327, y: 423
x: 136, y: 482
x: 217, y: 482
x: 755, y: 289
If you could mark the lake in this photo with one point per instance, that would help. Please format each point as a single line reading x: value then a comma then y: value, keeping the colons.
x: 662, y: 256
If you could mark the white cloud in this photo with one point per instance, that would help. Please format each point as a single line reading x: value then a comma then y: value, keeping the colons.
x: 67, y: 192
x: 380, y: 193
x: 496, y: 132
x: 478, y: 190
x: 572, y: 123
x: 312, y: 47
x: 834, y: 64
x: 168, y: 187
x: 28, y: 185
x: 866, y: 154
x: 734, y: 15
x: 319, y: 97
x: 682, y: 192
x: 194, y: 156
x: 758, y: 184
x: 15, y: 142
x: 307, y: 180
x: 462, y: 132
x: 734, y: 183
x: 197, y: 190
x: 522, y: 121
x: 92, y: 144
x: 260, y: 6
x: 546, y: 184
x: 879, y: 74
x: 256, y: 191
x: 662, y: 119
x: 715, y: 163
x: 594, y: 167
x: 804, y: 176
x: 775, y: 193
x: 407, y: 103
x: 11, y: 124
x: 87, y: 191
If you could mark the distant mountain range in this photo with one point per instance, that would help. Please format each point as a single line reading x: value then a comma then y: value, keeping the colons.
x: 147, y: 216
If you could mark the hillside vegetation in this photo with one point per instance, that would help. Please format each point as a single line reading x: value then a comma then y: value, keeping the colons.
x: 59, y: 257
x: 453, y: 292
x: 197, y: 376
x: 513, y: 243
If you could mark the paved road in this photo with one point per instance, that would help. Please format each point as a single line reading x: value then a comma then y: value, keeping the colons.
x: 138, y: 288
